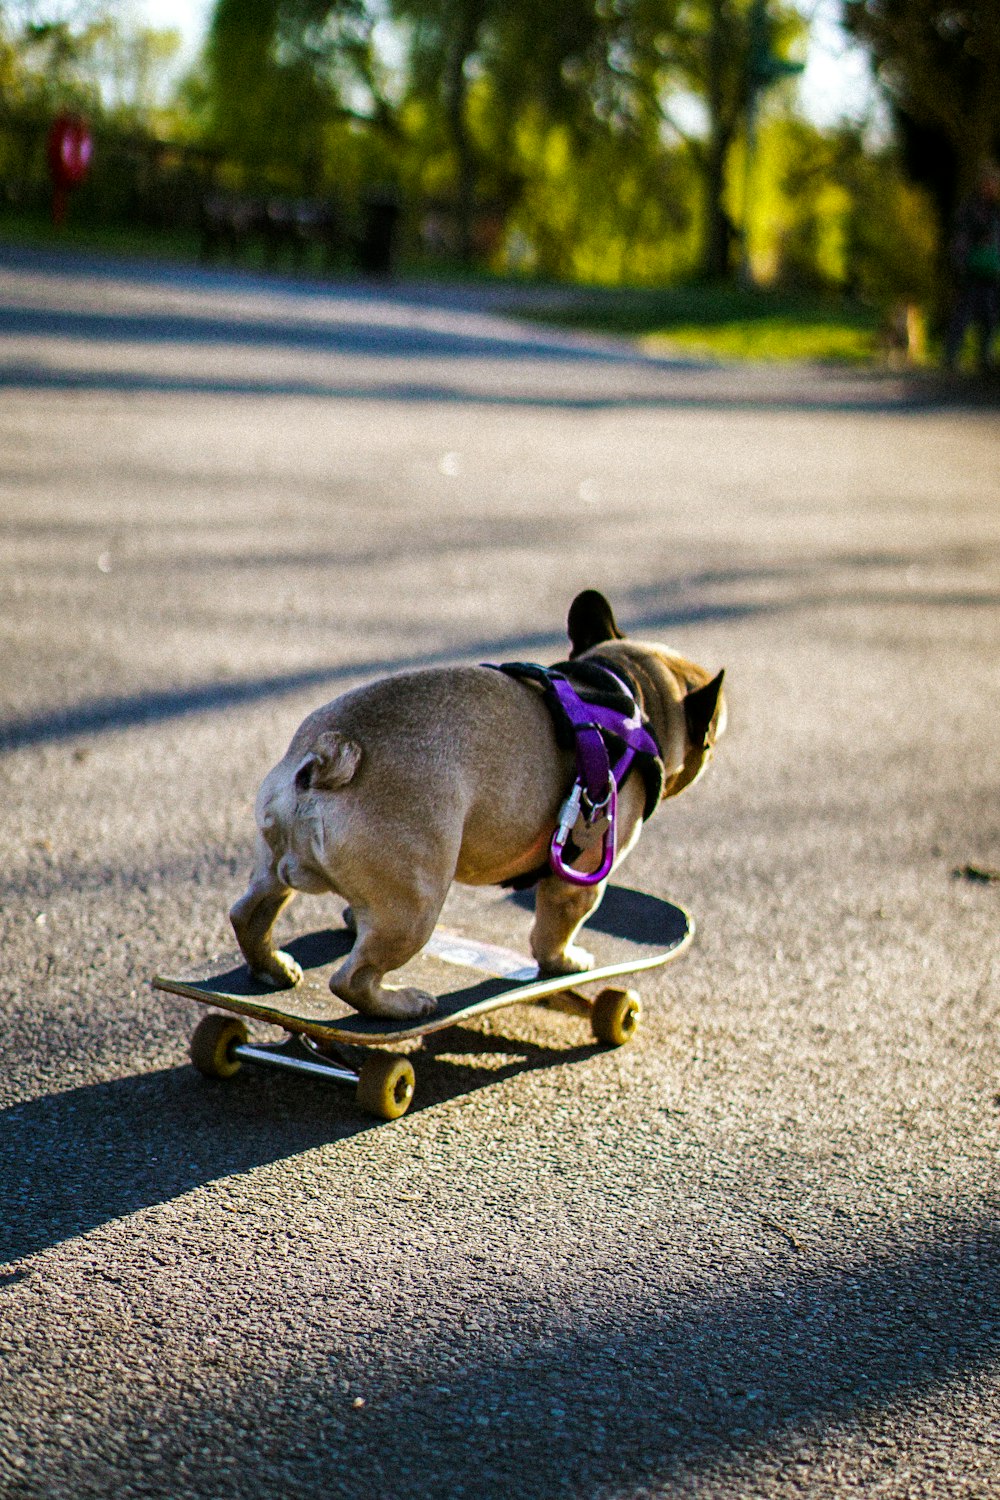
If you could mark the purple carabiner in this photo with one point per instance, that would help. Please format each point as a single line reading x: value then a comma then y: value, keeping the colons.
x: 567, y: 819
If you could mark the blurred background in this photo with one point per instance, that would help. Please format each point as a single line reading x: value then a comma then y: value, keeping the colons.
x: 744, y: 176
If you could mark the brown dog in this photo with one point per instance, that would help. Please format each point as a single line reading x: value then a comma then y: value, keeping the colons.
x: 394, y: 790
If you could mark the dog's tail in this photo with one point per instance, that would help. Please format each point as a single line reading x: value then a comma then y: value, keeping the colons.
x: 330, y: 764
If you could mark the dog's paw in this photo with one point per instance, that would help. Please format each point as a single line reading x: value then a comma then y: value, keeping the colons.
x: 282, y: 972
x: 572, y: 960
x: 385, y: 1001
x: 409, y: 1004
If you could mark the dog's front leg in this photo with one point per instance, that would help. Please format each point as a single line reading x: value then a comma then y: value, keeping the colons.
x: 560, y: 911
x: 253, y: 918
x: 561, y: 908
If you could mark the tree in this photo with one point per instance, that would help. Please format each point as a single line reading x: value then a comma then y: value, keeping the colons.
x: 939, y: 61
x: 841, y: 215
x: 84, y: 55
x: 279, y: 74
x: 444, y: 38
x: 611, y: 69
x: 514, y: 60
x: 723, y: 53
x: 51, y: 55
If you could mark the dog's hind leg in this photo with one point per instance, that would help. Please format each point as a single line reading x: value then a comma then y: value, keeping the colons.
x: 385, y: 940
x: 253, y: 918
x: 560, y: 911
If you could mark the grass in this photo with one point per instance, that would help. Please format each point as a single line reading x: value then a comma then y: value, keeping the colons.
x: 771, y: 339
x: 727, y: 322
x: 35, y: 231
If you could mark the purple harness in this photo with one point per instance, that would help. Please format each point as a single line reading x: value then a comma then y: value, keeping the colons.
x: 594, y: 794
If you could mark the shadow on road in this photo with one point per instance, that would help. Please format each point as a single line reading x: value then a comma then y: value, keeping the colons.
x: 72, y: 1161
x: 675, y: 1389
x: 636, y: 1395
x: 327, y: 335
x: 130, y: 710
x: 643, y: 612
x: 406, y: 324
x: 857, y: 395
x: 690, y: 1385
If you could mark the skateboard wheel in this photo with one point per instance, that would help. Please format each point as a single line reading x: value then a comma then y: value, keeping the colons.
x: 212, y: 1044
x: 385, y: 1085
x: 615, y: 1017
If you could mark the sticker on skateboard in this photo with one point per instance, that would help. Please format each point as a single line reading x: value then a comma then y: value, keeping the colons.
x: 630, y: 932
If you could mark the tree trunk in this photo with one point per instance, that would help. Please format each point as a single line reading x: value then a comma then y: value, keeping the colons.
x: 456, y: 90
x: 717, y: 227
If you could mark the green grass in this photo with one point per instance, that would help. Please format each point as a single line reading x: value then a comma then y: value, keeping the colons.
x: 770, y: 339
x: 727, y: 322
x: 36, y: 231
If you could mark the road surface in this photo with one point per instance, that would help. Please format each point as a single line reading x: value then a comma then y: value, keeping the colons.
x: 756, y: 1252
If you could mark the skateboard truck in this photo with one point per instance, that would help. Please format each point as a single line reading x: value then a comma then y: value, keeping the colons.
x: 642, y: 932
x: 384, y: 1083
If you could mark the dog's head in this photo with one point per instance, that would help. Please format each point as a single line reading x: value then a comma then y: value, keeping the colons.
x: 684, y: 705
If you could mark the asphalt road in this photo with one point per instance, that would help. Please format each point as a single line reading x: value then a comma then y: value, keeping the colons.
x: 756, y: 1252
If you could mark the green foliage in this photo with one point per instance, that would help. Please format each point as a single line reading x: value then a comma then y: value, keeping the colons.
x: 265, y: 111
x: 550, y: 141
x: 940, y: 62
x: 601, y: 210
x: 595, y: 75
x: 83, y: 57
x: 281, y: 82
x: 832, y: 214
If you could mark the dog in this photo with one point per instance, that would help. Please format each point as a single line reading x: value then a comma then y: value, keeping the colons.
x: 400, y: 787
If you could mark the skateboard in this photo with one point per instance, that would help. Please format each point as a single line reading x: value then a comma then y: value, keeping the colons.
x: 630, y: 932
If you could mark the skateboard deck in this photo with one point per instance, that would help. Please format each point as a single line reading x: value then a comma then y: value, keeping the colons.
x: 630, y: 932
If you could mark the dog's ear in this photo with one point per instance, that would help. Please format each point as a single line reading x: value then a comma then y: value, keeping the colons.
x: 699, y: 709
x: 330, y: 765
x: 591, y: 621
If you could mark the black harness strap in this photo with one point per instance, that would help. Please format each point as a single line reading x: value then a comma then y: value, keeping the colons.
x: 605, y: 687
x: 601, y: 686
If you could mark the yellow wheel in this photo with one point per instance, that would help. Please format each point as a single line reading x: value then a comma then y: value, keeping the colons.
x: 212, y: 1044
x: 615, y: 1017
x: 385, y: 1085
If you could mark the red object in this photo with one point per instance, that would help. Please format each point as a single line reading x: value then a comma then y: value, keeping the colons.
x: 70, y: 148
